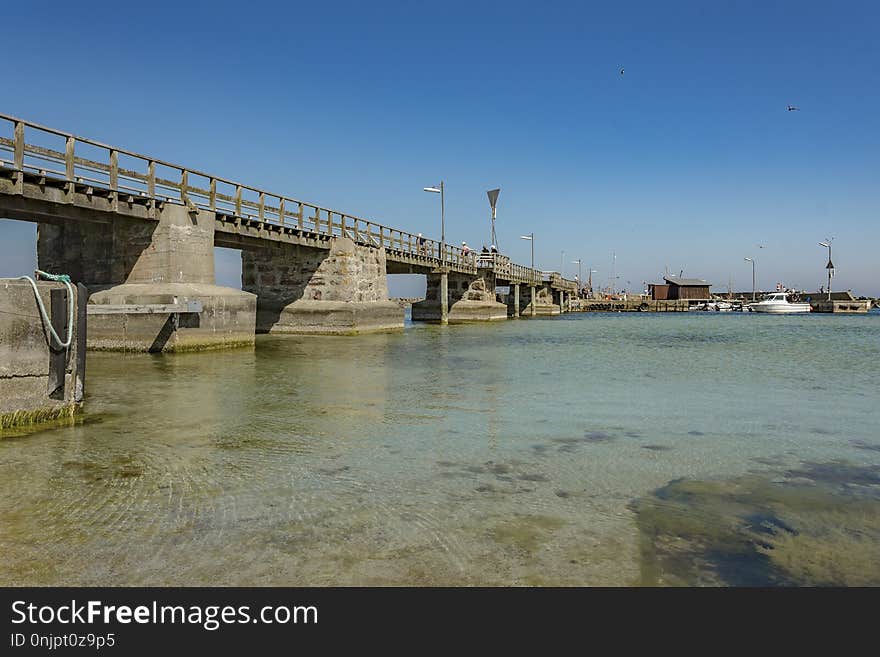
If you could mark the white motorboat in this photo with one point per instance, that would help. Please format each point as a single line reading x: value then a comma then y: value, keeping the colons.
x: 778, y: 303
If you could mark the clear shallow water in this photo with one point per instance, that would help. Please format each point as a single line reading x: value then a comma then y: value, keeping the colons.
x: 502, y: 454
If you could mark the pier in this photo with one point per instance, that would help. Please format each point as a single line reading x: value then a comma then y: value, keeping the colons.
x: 139, y: 233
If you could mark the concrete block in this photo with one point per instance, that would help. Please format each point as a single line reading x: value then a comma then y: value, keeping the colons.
x: 227, y: 320
x: 331, y: 317
x: 38, y: 380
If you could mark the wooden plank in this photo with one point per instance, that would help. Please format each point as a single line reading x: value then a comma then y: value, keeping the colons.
x: 114, y: 170
x: 69, y: 158
x: 81, y: 328
x: 151, y: 179
x: 58, y: 314
x: 18, y: 145
x: 144, y: 308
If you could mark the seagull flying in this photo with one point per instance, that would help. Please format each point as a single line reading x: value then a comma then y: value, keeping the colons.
x: 792, y: 108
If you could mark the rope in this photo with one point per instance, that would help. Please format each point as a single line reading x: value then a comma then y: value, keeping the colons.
x: 63, y: 278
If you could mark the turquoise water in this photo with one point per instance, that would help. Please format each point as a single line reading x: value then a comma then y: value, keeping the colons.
x: 508, y: 453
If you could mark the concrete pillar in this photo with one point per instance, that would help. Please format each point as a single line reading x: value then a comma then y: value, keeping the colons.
x: 455, y: 297
x: 515, y: 287
x: 444, y: 298
x: 132, y: 264
x: 310, y: 290
x: 40, y: 381
x: 534, y: 300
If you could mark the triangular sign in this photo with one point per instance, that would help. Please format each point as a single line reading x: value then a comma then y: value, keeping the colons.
x: 493, y: 197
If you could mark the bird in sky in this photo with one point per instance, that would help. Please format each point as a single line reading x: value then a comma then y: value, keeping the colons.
x: 792, y: 108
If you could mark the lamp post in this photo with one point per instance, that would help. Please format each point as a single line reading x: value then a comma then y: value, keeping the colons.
x: 438, y: 189
x: 578, y: 262
x: 752, y: 260
x: 444, y: 276
x: 590, y: 281
x: 613, y: 270
x: 531, y: 238
x: 830, y: 265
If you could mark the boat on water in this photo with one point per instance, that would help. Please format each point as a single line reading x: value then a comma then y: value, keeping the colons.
x: 778, y: 303
x: 716, y: 305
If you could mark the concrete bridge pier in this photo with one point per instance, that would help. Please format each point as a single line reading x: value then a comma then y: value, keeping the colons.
x: 300, y: 289
x: 444, y: 297
x: 150, y: 282
x: 540, y: 301
x: 515, y: 290
x: 459, y: 298
x: 547, y: 301
x: 563, y: 308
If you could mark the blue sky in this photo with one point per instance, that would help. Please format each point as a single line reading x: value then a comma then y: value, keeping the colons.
x: 688, y: 160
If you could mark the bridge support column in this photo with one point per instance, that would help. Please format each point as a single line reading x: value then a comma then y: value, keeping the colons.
x: 540, y: 301
x: 132, y: 267
x: 515, y: 287
x: 461, y: 298
x: 309, y: 290
x: 444, y: 298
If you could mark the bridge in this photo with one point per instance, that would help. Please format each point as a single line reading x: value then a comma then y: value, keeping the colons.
x: 139, y: 233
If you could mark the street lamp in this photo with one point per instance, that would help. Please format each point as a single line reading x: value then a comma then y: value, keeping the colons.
x: 613, y: 270
x: 830, y: 265
x: 533, y: 302
x: 439, y: 190
x: 531, y: 238
x: 752, y: 260
x: 590, y: 281
x: 578, y: 262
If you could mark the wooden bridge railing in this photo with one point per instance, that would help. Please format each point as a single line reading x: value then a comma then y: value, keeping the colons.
x: 155, y: 180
